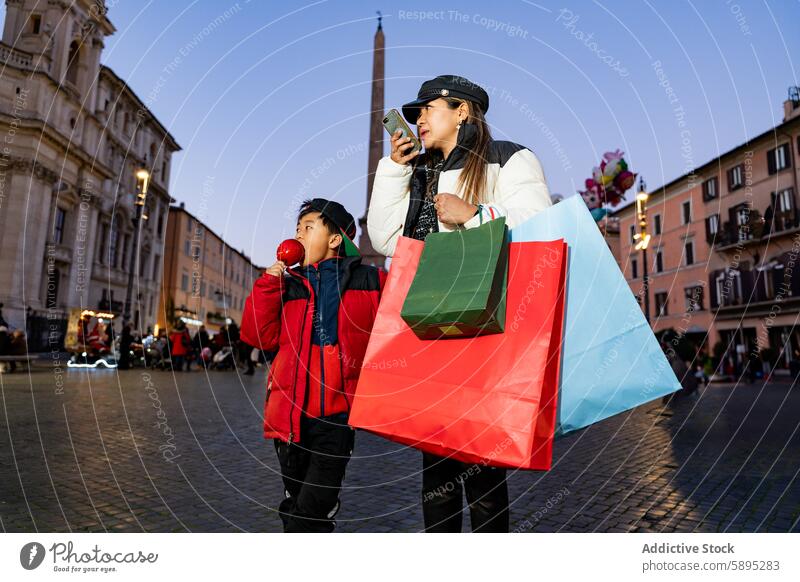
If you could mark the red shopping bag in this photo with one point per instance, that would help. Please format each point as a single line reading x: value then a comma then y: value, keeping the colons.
x: 489, y: 399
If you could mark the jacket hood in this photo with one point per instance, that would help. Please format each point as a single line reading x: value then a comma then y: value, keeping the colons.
x: 465, y: 142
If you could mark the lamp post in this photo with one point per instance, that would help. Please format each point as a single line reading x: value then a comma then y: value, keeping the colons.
x: 642, y: 239
x: 142, y: 182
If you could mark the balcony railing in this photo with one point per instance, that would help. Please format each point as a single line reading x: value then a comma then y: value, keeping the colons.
x: 757, y: 229
x: 753, y: 289
x: 784, y: 221
x: 10, y: 56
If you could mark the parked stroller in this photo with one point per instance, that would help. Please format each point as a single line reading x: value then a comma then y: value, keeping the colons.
x: 223, y: 359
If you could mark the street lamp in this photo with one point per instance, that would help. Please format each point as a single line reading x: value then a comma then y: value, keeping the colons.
x: 142, y: 183
x: 642, y: 239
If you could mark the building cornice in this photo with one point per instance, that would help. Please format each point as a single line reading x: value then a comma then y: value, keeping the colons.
x: 143, y: 110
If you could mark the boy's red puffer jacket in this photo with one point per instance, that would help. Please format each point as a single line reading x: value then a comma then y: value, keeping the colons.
x: 278, y: 315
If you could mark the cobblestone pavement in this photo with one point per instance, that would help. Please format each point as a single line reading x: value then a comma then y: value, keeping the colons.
x: 100, y: 450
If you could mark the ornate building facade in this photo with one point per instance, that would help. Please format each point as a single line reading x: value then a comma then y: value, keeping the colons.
x: 72, y: 137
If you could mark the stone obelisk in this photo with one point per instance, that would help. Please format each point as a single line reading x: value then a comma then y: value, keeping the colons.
x: 376, y: 131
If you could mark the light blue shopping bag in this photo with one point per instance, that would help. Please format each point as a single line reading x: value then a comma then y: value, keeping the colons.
x: 611, y: 361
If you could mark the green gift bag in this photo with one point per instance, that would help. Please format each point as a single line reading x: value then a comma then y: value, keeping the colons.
x: 459, y: 289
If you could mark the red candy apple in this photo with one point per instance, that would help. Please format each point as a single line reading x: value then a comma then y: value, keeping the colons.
x: 291, y: 252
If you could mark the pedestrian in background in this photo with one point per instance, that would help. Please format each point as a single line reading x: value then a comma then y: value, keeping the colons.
x: 180, y: 344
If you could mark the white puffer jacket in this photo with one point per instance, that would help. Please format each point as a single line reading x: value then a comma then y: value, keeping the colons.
x: 515, y: 184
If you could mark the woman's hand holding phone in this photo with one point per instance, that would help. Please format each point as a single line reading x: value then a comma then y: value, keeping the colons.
x: 400, y: 147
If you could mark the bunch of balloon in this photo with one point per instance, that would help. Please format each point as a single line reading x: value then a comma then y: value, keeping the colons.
x: 608, y: 184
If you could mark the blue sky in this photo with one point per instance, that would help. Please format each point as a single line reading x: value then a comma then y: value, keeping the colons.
x: 270, y: 100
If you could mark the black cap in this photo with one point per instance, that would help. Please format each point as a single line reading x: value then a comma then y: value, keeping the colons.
x: 337, y: 214
x: 446, y: 86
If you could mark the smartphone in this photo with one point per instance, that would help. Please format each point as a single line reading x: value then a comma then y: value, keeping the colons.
x: 394, y: 121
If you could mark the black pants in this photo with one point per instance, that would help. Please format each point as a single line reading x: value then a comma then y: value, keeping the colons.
x: 313, y: 471
x: 177, y: 363
x: 251, y: 366
x: 485, y: 487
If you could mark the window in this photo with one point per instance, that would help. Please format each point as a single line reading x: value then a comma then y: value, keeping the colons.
x: 123, y: 257
x: 686, y: 212
x: 659, y: 261
x: 73, y: 62
x: 784, y: 215
x: 634, y: 269
x: 735, y: 178
x: 111, y: 156
x: 657, y: 224
x: 694, y: 298
x: 710, y: 189
x: 767, y: 277
x: 712, y: 227
x: 36, y: 24
x: 688, y: 252
x: 112, y: 245
x: 51, y: 291
x: 187, y: 248
x: 661, y: 304
x: 633, y: 233
x: 729, y: 287
x: 156, y: 260
x: 743, y: 222
x: 189, y: 225
x: 58, y: 226
x: 101, y: 244
x: 785, y: 200
x: 742, y: 215
x: 778, y: 159
x: 185, y: 282
x: 143, y: 263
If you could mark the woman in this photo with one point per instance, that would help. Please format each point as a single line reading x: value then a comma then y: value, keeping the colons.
x: 180, y: 344
x: 463, y: 178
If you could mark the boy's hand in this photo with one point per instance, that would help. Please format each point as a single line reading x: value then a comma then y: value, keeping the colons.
x: 400, y: 148
x: 276, y: 270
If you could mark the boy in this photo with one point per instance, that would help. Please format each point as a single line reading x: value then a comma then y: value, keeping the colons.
x: 319, y: 317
